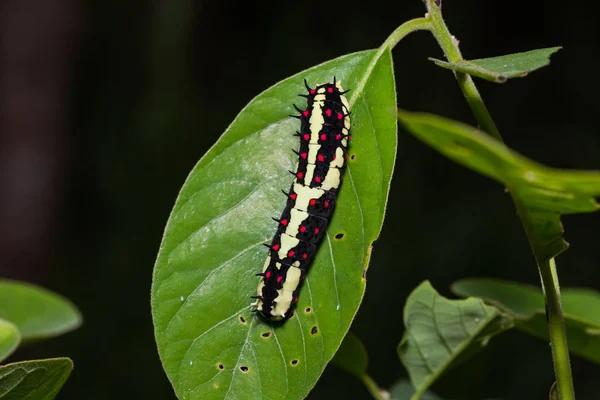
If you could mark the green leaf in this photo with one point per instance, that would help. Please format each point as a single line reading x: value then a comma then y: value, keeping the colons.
x: 9, y: 338
x: 526, y: 304
x: 211, y: 345
x: 404, y: 390
x: 34, y: 380
x: 545, y: 192
x: 37, y: 312
x: 499, y: 69
x: 441, y: 333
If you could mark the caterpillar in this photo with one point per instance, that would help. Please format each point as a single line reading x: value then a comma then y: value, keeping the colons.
x: 324, y: 135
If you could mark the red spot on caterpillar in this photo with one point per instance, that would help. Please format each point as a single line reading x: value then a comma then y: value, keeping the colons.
x: 275, y: 247
x: 268, y: 274
x: 338, y: 136
x: 340, y: 116
x: 316, y: 230
x: 284, y: 222
x: 293, y: 196
x: 320, y: 157
x: 291, y: 253
x: 313, y: 91
x: 306, y: 137
x: 305, y: 256
x: 302, y: 229
x: 349, y: 137
x: 328, y: 112
x: 312, y: 202
x: 346, y: 156
x: 334, y: 157
x: 295, y: 299
x: 323, y: 136
x: 330, y: 90
x: 305, y: 113
x: 326, y: 203
x: 317, y: 179
x: 300, y: 175
x: 279, y: 278
x: 304, y: 155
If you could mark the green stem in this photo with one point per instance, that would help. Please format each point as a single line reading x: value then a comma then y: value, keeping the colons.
x: 558, y: 333
x: 547, y: 268
x: 449, y: 46
x: 417, y: 24
x: 372, y: 387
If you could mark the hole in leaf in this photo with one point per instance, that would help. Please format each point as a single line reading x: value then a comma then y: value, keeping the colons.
x: 266, y: 335
x: 242, y: 320
x: 243, y: 368
x: 294, y: 363
x: 353, y: 157
x: 314, y: 330
x: 339, y: 236
x: 307, y: 310
x: 221, y: 366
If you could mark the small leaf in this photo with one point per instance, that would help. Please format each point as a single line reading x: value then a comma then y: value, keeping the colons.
x: 404, y: 390
x: 210, y: 344
x: 499, y: 69
x: 546, y: 192
x: 37, y: 312
x: 526, y: 304
x: 9, y: 339
x: 441, y: 333
x: 352, y: 356
x: 34, y: 380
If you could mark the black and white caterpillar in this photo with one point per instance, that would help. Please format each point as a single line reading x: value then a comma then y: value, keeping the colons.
x: 324, y: 134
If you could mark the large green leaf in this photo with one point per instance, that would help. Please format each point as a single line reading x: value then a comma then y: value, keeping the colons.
x: 526, y: 304
x: 545, y: 192
x: 34, y: 380
x: 9, y: 338
x: 499, y: 69
x: 211, y: 345
x: 441, y: 333
x: 37, y: 312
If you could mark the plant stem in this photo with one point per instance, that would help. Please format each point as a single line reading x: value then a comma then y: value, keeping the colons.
x: 546, y: 267
x: 449, y: 46
x: 372, y: 387
x: 558, y: 333
x: 417, y: 24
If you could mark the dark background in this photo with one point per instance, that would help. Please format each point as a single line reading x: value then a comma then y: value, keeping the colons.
x: 107, y: 105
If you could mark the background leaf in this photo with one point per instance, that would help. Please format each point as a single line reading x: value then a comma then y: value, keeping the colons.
x: 210, y: 344
x: 440, y: 333
x: 404, y: 390
x: 499, y: 69
x: 352, y: 356
x: 546, y: 192
x: 34, y: 380
x: 37, y: 312
x: 526, y: 304
x: 9, y: 338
